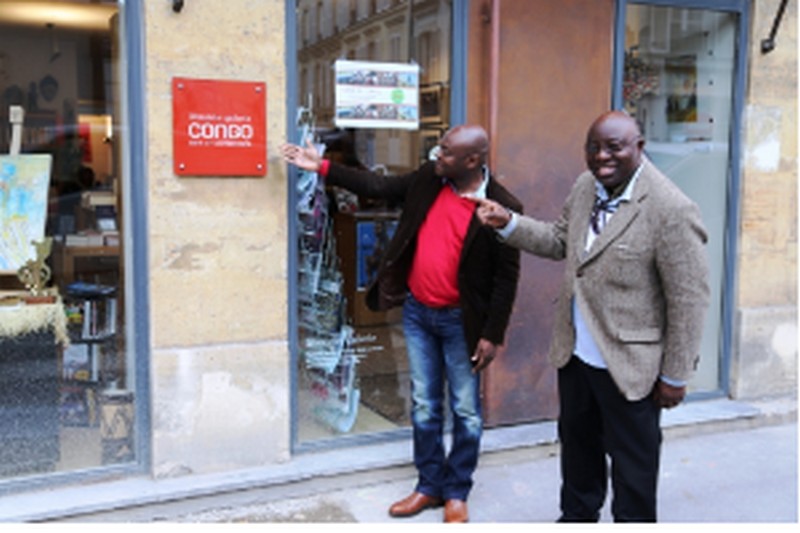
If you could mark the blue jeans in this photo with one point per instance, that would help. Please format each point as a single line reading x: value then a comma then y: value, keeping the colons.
x: 437, y: 351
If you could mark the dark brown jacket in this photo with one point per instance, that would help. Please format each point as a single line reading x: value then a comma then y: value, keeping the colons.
x: 488, y: 271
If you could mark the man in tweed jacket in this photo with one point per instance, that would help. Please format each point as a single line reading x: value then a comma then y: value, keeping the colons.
x: 629, y: 317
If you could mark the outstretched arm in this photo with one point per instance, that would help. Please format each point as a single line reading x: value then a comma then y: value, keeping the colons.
x: 492, y: 213
x: 307, y: 158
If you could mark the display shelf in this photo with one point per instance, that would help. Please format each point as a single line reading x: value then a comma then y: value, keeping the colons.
x: 90, y: 361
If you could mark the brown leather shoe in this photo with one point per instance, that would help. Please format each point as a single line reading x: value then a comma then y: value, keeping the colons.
x: 414, y: 504
x: 455, y: 511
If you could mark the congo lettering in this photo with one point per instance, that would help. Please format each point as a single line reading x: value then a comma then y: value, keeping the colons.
x: 219, y: 132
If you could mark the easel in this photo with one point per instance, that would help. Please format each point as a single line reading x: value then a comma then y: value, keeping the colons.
x: 16, y: 116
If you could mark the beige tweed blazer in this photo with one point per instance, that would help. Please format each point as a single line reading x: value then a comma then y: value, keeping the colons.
x: 642, y: 287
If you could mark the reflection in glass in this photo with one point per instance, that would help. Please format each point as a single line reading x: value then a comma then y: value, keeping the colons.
x: 678, y: 83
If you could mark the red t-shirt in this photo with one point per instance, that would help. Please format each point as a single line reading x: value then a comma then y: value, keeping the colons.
x: 433, y: 279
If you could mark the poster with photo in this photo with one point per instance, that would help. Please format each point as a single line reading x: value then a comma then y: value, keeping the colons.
x: 371, y: 94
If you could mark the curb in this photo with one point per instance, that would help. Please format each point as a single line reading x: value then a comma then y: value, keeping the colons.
x: 145, y: 499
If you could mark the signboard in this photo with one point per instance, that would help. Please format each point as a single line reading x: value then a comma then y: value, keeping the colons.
x: 371, y: 94
x: 219, y: 127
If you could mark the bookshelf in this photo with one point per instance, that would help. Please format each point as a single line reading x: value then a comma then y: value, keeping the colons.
x: 89, y: 363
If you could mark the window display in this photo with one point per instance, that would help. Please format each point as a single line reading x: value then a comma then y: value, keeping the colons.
x: 358, y: 71
x: 63, y: 357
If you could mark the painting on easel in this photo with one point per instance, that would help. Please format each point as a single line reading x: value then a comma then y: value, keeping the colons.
x: 24, y: 182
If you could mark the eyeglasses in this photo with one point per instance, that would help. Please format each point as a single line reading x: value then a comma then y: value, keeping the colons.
x: 611, y: 147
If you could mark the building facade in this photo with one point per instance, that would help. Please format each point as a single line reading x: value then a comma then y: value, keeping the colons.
x: 190, y: 333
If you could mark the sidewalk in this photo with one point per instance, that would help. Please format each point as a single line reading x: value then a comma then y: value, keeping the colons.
x: 722, y: 461
x: 733, y: 476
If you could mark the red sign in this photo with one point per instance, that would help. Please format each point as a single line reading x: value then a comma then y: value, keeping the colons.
x: 219, y: 127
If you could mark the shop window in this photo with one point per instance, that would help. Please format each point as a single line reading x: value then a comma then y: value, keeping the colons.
x: 66, y: 379
x: 352, y: 373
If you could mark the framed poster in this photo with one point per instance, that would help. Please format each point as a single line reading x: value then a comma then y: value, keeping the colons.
x: 24, y: 183
x: 371, y: 94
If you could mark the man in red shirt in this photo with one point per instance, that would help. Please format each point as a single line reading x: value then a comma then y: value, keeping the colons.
x: 457, y: 283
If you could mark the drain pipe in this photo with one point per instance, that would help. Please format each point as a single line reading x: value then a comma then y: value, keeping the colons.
x: 494, y: 79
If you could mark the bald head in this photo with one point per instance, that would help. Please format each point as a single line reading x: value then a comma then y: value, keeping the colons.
x: 472, y: 138
x: 619, y: 120
x: 462, y: 154
x: 613, y: 148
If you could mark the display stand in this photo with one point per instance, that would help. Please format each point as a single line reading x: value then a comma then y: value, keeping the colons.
x: 326, y: 341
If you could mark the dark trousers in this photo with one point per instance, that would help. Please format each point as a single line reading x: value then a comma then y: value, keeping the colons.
x: 596, y: 421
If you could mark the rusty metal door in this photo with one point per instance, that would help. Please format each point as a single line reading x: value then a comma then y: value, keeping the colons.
x: 539, y: 72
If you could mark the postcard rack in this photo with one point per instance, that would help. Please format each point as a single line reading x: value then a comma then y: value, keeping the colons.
x: 325, y: 340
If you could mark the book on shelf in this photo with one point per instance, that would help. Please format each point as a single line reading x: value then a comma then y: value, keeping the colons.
x: 84, y: 239
x: 98, y: 198
x: 110, y: 238
x: 105, y: 218
x: 99, y: 319
x: 76, y: 364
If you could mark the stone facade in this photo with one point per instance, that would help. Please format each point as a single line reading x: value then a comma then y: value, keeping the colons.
x: 218, y: 253
x: 220, y: 359
x: 764, y: 359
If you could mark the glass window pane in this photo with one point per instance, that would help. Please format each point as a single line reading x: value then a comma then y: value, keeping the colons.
x: 678, y: 82
x: 66, y: 390
x: 352, y: 369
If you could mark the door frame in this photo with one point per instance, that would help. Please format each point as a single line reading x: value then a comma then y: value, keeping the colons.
x: 733, y: 200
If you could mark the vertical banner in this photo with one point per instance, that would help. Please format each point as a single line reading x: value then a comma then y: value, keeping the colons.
x: 370, y: 94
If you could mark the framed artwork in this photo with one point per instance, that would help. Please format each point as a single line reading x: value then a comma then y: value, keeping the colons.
x: 428, y: 140
x: 24, y: 182
x: 681, y: 75
x: 433, y: 104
